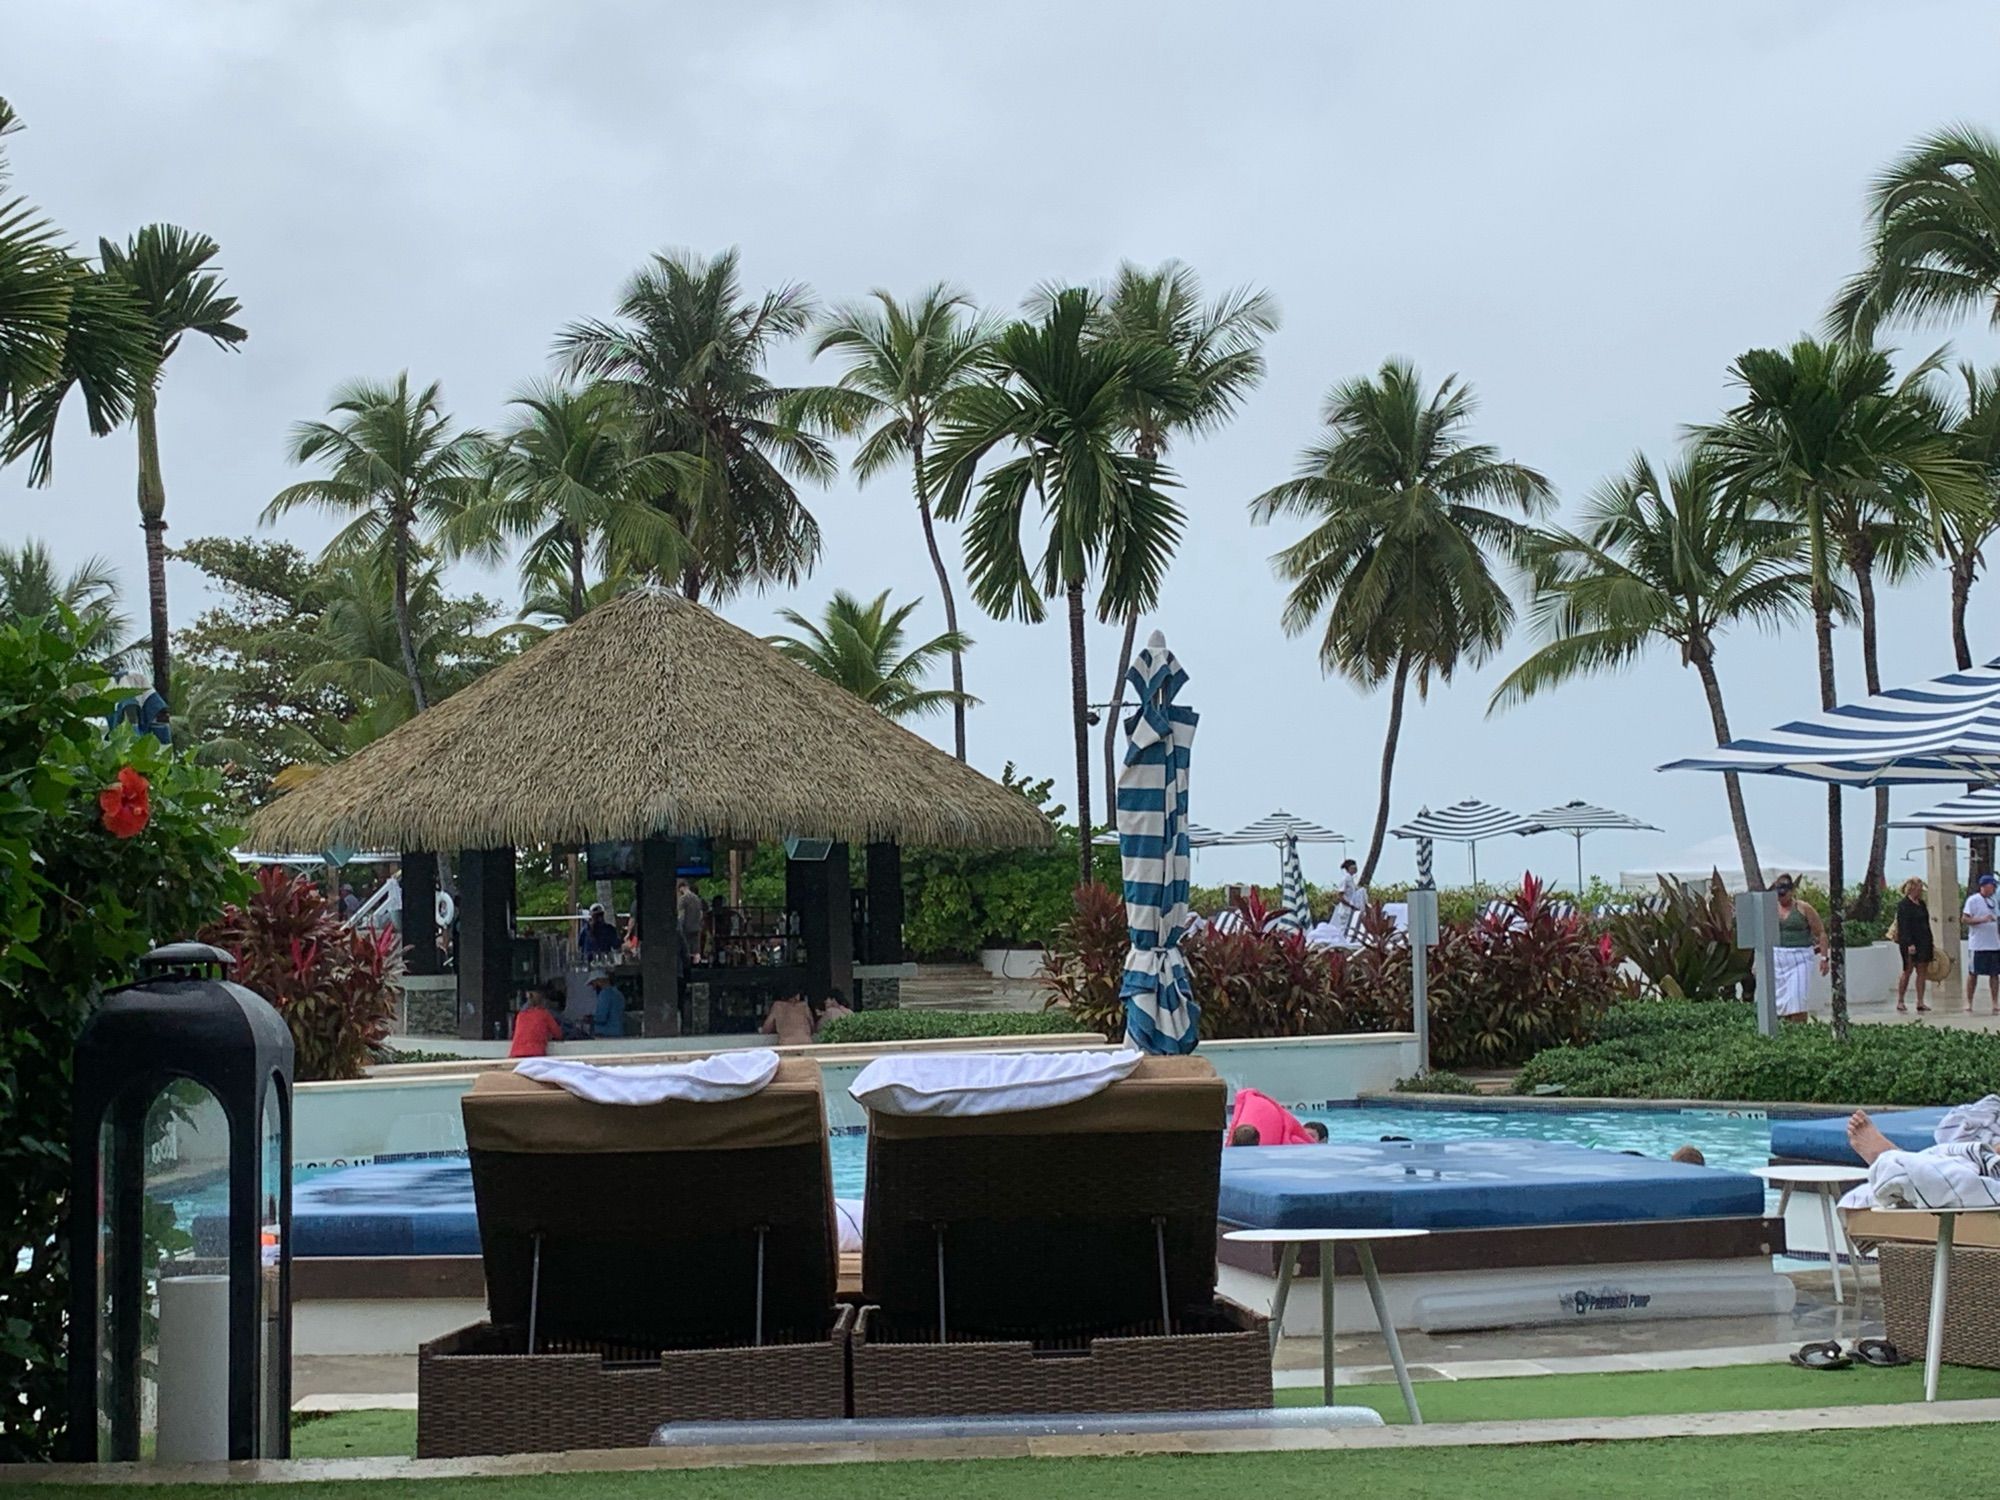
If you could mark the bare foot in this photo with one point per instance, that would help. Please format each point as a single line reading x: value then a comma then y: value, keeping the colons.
x: 1902, y: 1009
x: 1866, y: 1137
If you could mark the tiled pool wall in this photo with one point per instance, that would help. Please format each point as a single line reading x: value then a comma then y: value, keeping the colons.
x: 344, y: 1123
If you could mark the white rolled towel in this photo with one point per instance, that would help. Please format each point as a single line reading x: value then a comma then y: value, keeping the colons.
x: 988, y: 1083
x: 706, y: 1080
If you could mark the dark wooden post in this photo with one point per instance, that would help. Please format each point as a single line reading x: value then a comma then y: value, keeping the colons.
x: 822, y: 892
x: 485, y: 947
x: 883, y: 940
x: 659, y: 945
x: 420, y: 883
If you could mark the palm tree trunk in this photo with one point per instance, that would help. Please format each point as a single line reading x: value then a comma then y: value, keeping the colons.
x: 1388, y: 766
x: 1963, y: 568
x: 153, y: 521
x: 1868, y: 900
x: 1117, y: 712
x: 1836, y: 919
x: 406, y: 641
x: 1739, y: 815
x: 691, y: 583
x: 1079, y: 707
x: 576, y: 588
x: 944, y: 593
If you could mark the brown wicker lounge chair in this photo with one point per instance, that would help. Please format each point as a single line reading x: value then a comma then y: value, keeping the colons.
x: 644, y: 1264
x: 1054, y: 1260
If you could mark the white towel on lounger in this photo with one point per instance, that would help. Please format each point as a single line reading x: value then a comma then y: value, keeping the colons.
x: 1978, y: 1121
x: 1962, y: 1175
x: 988, y: 1083
x: 707, y: 1080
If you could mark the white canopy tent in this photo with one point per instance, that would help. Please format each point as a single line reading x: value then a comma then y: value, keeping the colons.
x: 1720, y: 855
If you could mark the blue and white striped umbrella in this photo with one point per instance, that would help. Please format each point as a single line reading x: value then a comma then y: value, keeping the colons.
x: 1297, y: 915
x: 1160, y: 1010
x: 1466, y: 823
x: 1946, y: 729
x: 1973, y: 814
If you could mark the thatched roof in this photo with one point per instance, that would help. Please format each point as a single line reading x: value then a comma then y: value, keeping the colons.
x: 648, y: 715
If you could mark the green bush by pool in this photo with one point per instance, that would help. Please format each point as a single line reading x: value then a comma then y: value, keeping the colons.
x: 1663, y: 1049
x: 946, y: 1025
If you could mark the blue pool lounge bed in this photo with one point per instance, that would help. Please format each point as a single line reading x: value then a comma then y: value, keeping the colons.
x: 416, y: 1207
x: 1470, y: 1185
x: 1825, y: 1140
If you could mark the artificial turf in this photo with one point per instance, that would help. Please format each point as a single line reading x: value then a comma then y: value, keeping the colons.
x: 1771, y: 1387
x: 1921, y: 1460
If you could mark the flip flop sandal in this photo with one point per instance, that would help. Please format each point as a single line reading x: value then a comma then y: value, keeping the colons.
x: 1825, y: 1355
x: 1880, y: 1353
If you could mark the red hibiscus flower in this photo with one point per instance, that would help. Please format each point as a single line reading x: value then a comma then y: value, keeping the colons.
x: 127, y: 806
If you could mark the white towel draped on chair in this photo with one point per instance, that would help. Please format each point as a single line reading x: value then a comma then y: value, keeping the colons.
x: 707, y: 1080
x: 1962, y: 1175
x: 988, y: 1083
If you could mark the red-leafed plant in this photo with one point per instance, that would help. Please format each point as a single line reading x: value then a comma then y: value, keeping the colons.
x: 334, y: 985
x: 1085, y: 965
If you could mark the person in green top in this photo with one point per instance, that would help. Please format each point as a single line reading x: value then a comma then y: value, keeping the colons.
x: 1801, y: 935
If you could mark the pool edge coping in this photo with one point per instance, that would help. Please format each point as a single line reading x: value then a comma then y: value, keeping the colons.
x: 1504, y: 1103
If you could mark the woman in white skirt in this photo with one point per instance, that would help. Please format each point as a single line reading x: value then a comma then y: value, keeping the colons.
x: 1800, y: 936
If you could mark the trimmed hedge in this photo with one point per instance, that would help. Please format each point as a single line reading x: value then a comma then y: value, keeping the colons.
x: 945, y: 1025
x: 1436, y: 1081
x: 1695, y: 1050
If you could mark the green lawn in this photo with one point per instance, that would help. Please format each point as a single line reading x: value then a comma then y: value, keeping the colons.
x: 1524, y: 1398
x: 1809, y: 1466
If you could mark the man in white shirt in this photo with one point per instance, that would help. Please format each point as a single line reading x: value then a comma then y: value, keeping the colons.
x: 1982, y: 941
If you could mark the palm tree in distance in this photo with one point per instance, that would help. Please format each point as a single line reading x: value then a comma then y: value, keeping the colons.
x: 1818, y: 424
x: 400, y: 474
x: 1219, y: 348
x: 688, y: 349
x: 1057, y: 399
x: 907, y: 365
x: 571, y: 478
x: 1660, y: 560
x: 1934, y: 251
x: 33, y: 589
x: 1408, y: 518
x: 1971, y: 415
x: 861, y: 649
x: 171, y: 274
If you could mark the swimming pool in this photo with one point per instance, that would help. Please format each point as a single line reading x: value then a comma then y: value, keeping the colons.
x: 432, y: 1199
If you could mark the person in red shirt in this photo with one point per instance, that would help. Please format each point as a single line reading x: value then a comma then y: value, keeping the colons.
x: 535, y: 1026
x: 1274, y: 1124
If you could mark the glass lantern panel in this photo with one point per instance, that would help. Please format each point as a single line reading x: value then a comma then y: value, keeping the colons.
x: 182, y: 1338
x: 273, y: 1417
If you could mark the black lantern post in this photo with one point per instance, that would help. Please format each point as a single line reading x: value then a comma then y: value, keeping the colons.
x: 180, y: 1218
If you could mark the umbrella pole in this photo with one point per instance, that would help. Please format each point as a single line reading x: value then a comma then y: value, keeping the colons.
x: 1473, y: 845
x: 1579, y: 867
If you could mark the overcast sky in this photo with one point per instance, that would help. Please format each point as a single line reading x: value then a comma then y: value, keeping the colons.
x: 1585, y: 210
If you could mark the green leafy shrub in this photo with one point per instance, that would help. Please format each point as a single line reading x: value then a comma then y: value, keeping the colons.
x: 1685, y: 944
x: 333, y: 984
x: 1435, y: 1081
x: 945, y: 1025
x: 1662, y: 1051
x: 79, y: 905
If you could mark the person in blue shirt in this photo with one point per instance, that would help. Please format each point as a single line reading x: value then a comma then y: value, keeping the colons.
x: 609, y: 1018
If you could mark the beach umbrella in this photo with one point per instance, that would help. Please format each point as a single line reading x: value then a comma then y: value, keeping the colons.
x: 1969, y: 816
x: 1470, y: 822
x: 1287, y: 832
x: 1199, y: 837
x: 1946, y: 729
x: 1578, y: 819
x: 1160, y: 1010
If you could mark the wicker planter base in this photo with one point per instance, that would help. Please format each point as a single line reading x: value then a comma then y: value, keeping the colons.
x: 1222, y: 1364
x: 1972, y: 1303
x: 477, y: 1394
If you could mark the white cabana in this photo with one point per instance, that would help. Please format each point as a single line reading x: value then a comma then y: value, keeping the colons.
x: 1721, y: 856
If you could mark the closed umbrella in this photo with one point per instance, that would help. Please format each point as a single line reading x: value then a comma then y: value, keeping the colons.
x: 1160, y: 1010
x: 1470, y: 823
x: 1297, y: 914
x: 1578, y: 819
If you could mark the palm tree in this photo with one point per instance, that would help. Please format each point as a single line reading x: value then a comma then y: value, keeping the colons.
x: 1408, y: 517
x: 32, y: 589
x: 1935, y: 245
x: 1973, y: 420
x: 1219, y: 349
x: 169, y: 272
x: 860, y: 647
x: 1671, y: 561
x: 1820, y: 424
x: 571, y: 478
x: 394, y: 465
x: 1058, y: 398
x: 689, y: 351
x: 907, y: 365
